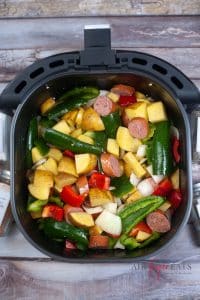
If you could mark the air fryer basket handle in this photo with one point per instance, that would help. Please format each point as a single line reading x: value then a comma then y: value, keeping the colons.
x: 97, y: 43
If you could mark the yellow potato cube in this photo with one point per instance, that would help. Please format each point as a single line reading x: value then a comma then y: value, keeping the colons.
x: 165, y: 206
x: 55, y: 154
x: 36, y: 155
x: 142, y: 236
x: 62, y: 126
x: 70, y: 115
x: 40, y: 192
x: 175, y: 179
x: 126, y: 141
x: 138, y: 109
x: 139, y: 95
x: 85, y: 163
x: 49, y: 165
x: 134, y: 196
x: 130, y: 159
x: 79, y: 117
x: 113, y: 97
x: 156, y: 112
x: 43, y: 178
x: 76, y: 132
x: 81, y: 219
x: 47, y: 105
x: 86, y: 139
x: 113, y: 147
x: 67, y: 165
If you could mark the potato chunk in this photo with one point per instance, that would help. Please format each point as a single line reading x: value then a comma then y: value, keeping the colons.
x: 99, y: 197
x: 137, y: 168
x: 156, y: 112
x: 91, y: 120
x: 85, y: 163
x: 67, y: 165
x: 47, y: 105
x: 126, y: 141
x: 138, y: 109
x: 81, y: 219
x: 113, y: 147
x: 62, y: 127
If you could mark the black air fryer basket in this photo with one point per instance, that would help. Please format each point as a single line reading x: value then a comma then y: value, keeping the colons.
x: 96, y: 65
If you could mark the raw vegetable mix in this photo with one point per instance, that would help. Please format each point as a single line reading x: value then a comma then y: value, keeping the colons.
x: 103, y: 169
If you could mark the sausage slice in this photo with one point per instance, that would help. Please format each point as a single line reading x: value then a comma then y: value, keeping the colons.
x: 122, y: 89
x: 110, y: 165
x: 104, y: 106
x: 138, y: 128
x: 157, y: 221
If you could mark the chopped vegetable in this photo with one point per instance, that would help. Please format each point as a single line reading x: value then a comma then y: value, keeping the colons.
x: 69, y: 196
x: 99, y: 197
x: 126, y: 141
x: 53, y: 211
x: 31, y: 138
x: 127, y: 100
x: 156, y: 112
x: 64, y: 141
x: 175, y: 198
x: 100, y: 181
x: 161, y: 152
x: 111, y: 123
x: 164, y: 188
x: 109, y: 222
x: 175, y: 147
x: 85, y: 163
x: 122, y: 186
x: 81, y: 219
x: 62, y: 230
x: 141, y: 226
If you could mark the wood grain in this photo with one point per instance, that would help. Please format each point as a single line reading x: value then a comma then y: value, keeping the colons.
x: 13, y: 61
x: 63, y: 8
x: 139, y: 281
x: 128, y: 32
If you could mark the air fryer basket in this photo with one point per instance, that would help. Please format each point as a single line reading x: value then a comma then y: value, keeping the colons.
x: 101, y: 66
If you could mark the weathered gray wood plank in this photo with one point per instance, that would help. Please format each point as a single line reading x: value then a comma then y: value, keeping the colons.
x: 15, y: 246
x: 32, y: 280
x: 56, y: 8
x: 126, y: 32
x: 13, y: 61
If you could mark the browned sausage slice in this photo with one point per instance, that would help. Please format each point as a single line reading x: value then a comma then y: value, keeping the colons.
x: 110, y: 165
x: 104, y: 106
x: 122, y: 89
x: 157, y: 221
x: 138, y: 128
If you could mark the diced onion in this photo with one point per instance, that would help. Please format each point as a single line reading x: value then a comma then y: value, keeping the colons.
x: 174, y: 131
x: 118, y: 245
x: 141, y: 152
x: 146, y: 187
x: 134, y: 180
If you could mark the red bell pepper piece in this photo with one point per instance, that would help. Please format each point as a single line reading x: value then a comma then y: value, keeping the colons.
x: 100, y: 181
x: 175, y: 149
x: 175, y: 198
x: 127, y: 100
x: 164, y: 188
x: 69, y: 196
x: 69, y: 153
x: 142, y: 226
x: 53, y: 211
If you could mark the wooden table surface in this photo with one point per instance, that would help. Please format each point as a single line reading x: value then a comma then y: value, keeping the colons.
x: 30, y: 30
